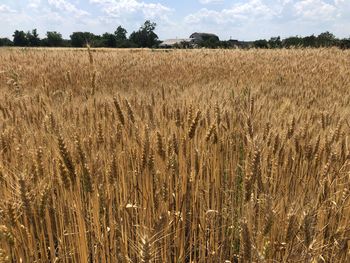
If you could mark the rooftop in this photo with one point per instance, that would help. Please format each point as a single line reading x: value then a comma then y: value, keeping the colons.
x: 171, y: 42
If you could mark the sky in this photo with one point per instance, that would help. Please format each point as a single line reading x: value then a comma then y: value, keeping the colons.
x: 236, y: 19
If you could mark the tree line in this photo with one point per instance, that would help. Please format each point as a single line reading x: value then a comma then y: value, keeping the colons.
x: 145, y: 37
x: 325, y: 39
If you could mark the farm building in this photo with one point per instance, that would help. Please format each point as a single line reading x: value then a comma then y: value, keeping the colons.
x: 192, y: 41
x: 178, y: 42
x: 201, y: 37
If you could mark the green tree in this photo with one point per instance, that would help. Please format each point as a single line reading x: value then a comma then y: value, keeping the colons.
x: 275, y: 42
x: 210, y: 41
x: 262, y: 43
x: 53, y: 39
x: 121, y: 38
x: 344, y: 43
x: 109, y: 40
x: 33, y: 38
x: 5, y: 42
x: 81, y: 39
x: 310, y: 41
x: 292, y: 42
x: 120, y: 34
x: 326, y: 39
x: 145, y: 36
x: 20, y: 39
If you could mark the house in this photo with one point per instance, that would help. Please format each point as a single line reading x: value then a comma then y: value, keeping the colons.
x: 178, y: 42
x: 194, y: 40
x: 202, y: 37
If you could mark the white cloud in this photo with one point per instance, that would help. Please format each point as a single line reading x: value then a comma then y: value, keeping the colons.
x: 281, y: 10
x: 205, y: 2
x: 34, y: 3
x: 119, y: 8
x: 6, y: 9
x: 253, y: 9
x: 252, y: 19
x: 343, y: 8
x: 315, y: 10
x: 284, y: 2
x: 66, y: 6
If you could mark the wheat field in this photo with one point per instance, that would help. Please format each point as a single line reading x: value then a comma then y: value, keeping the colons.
x: 174, y: 156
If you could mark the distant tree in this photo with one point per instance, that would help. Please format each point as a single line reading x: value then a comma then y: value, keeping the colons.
x: 344, y: 43
x: 210, y: 41
x: 326, y: 39
x: 78, y: 39
x: 53, y: 39
x: 33, y: 38
x: 275, y: 42
x: 81, y: 39
x: 120, y: 34
x: 20, y: 39
x: 66, y: 43
x: 138, y: 39
x: 225, y: 44
x: 5, y: 42
x: 262, y: 43
x: 145, y: 36
x: 309, y: 41
x: 109, y: 40
x: 97, y: 41
x: 121, y: 38
x: 292, y: 42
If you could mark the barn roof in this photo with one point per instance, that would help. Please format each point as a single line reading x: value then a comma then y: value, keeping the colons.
x: 203, y: 34
x: 171, y: 42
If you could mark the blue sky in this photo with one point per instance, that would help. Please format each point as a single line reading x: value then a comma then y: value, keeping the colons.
x: 244, y: 20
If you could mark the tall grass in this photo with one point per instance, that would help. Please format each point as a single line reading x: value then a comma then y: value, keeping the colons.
x: 184, y: 156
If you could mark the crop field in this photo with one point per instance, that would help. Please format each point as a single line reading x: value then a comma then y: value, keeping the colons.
x: 174, y: 156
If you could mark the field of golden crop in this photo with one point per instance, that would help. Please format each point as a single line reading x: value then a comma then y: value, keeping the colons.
x: 174, y: 156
